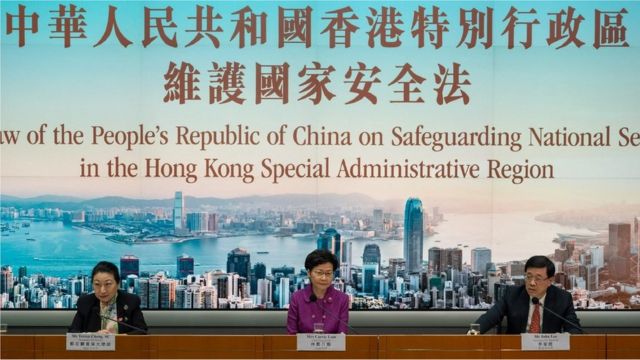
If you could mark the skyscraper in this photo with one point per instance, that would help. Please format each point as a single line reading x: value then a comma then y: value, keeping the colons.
x: 22, y: 272
x: 480, y: 257
x: 213, y: 223
x: 283, y: 298
x: 397, y: 267
x: 6, y: 280
x: 371, y: 254
x: 597, y: 255
x: 167, y: 293
x: 378, y: 220
x: 265, y: 292
x: 636, y: 232
x: 178, y: 213
x: 129, y: 265
x: 636, y: 235
x: 370, y: 267
x: 184, y: 266
x: 239, y: 261
x: 330, y: 240
x: 620, y: 250
x: 620, y: 239
x: 345, y: 264
x: 413, y: 234
x: 259, y: 271
x: 369, y: 271
x: 198, y: 222
x: 454, y: 258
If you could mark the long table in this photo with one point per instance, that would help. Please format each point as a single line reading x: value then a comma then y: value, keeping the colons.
x: 612, y: 346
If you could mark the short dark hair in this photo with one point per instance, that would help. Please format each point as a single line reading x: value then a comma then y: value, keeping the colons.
x: 320, y: 256
x: 540, y: 261
x: 106, y: 267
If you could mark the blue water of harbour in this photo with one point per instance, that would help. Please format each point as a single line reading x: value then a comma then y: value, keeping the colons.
x: 63, y: 250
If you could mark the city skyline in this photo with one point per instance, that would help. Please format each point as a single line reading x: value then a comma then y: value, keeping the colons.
x: 379, y: 282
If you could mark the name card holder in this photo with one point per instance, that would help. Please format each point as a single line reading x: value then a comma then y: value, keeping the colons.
x: 321, y: 342
x: 91, y: 342
x: 545, y: 342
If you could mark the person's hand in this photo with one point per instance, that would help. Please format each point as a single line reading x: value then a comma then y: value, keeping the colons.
x: 103, y: 331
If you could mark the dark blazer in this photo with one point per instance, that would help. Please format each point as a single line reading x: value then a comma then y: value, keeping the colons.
x: 515, y: 306
x: 88, y: 319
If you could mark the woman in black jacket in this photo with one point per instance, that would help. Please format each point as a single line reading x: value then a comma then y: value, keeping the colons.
x: 108, y: 310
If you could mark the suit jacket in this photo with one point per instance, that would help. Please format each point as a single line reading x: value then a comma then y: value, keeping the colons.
x: 515, y: 306
x: 332, y: 311
x: 88, y: 319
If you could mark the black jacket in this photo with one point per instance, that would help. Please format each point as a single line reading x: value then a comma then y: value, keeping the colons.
x: 515, y: 306
x: 88, y: 319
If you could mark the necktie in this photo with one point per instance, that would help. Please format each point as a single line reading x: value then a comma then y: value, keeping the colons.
x: 535, y: 320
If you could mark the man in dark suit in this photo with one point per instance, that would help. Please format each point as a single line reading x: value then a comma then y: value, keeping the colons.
x: 108, y: 309
x: 525, y: 316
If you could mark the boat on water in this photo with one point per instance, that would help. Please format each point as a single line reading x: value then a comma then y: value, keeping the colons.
x: 31, y: 239
x: 262, y: 252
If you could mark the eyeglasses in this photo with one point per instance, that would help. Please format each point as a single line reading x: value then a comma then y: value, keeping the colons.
x: 318, y: 273
x: 536, y: 279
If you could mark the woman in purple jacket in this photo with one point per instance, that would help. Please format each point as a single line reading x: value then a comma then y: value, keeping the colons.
x: 319, y: 307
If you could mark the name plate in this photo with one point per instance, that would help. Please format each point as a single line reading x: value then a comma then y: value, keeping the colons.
x: 91, y: 342
x: 322, y: 342
x: 545, y: 342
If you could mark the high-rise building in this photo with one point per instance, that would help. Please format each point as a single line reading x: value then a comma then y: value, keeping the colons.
x: 397, y: 267
x: 22, y: 272
x: 620, y: 239
x: 435, y: 259
x: 6, y: 280
x: 239, y: 261
x: 284, y: 292
x: 330, y: 240
x: 259, y: 271
x: 516, y: 268
x: 143, y: 292
x: 265, y: 292
x: 378, y: 220
x: 369, y: 271
x: 480, y: 257
x: 213, y: 223
x: 185, y: 266
x: 371, y: 254
x: 181, y: 294
x: 178, y: 213
x: 129, y: 265
x: 636, y: 249
x: 198, y: 222
x: 284, y: 270
x: 597, y: 255
x: 347, y: 261
x: 413, y: 234
x: 167, y: 293
x: 154, y: 293
x: 454, y: 258
x: 210, y: 295
x: 620, y: 250
x: 591, y: 278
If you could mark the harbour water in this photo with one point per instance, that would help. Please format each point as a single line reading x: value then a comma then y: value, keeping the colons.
x: 56, y: 249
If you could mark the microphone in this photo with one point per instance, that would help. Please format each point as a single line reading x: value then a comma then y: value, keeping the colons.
x: 120, y: 322
x: 314, y: 298
x: 536, y: 301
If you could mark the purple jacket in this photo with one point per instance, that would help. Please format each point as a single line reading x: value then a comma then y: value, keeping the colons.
x: 303, y: 313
